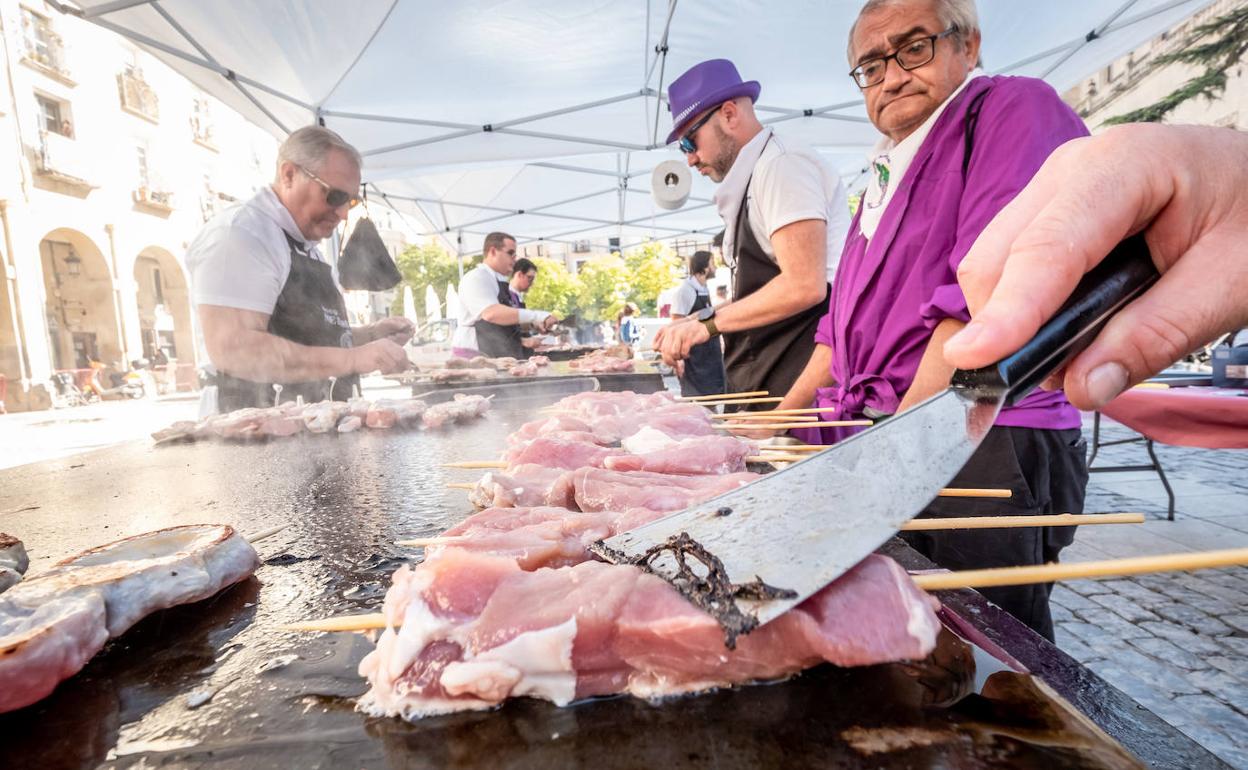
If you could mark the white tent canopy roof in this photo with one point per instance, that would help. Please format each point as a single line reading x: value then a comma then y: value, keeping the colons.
x: 544, y: 118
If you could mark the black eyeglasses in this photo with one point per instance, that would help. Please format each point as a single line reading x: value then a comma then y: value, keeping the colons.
x: 686, y: 143
x: 333, y: 196
x: 911, y: 55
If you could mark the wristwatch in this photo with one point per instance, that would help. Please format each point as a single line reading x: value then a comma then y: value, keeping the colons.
x: 707, y: 317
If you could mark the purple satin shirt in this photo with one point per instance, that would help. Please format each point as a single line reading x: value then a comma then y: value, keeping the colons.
x: 890, y: 293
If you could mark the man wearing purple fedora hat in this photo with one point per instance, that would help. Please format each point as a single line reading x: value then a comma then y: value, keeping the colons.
x: 785, y: 217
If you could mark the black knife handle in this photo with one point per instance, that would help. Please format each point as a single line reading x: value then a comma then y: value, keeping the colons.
x: 1122, y: 276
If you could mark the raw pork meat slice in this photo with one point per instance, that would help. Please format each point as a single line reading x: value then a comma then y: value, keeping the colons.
x: 704, y: 455
x: 598, y: 629
x: 559, y: 453
x: 602, y: 490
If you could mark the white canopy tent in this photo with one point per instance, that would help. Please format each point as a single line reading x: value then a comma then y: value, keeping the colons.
x: 544, y: 118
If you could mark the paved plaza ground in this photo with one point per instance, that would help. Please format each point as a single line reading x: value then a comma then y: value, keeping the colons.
x: 1176, y: 643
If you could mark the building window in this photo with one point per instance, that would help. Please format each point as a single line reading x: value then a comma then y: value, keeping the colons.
x: 157, y: 286
x: 42, y: 45
x: 140, y: 153
x: 54, y: 116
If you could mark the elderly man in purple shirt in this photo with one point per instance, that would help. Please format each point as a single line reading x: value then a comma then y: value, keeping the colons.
x: 957, y: 147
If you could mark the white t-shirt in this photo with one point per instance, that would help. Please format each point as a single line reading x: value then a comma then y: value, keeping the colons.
x: 790, y: 183
x: 478, y: 289
x: 686, y: 294
x: 241, y: 260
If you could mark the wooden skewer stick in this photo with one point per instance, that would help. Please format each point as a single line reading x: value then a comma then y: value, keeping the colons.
x: 717, y: 396
x: 341, y: 623
x: 1008, y: 522
x: 461, y: 486
x: 766, y: 416
x: 733, y: 401
x: 262, y: 534
x: 915, y: 525
x: 804, y: 410
x: 1047, y: 573
x: 787, y: 425
x: 961, y: 492
x: 793, y: 448
x: 477, y: 464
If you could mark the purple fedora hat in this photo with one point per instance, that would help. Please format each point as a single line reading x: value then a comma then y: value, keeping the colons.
x: 704, y: 86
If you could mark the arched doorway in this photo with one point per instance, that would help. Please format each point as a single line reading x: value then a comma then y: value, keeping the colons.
x: 165, y: 317
x: 80, y: 305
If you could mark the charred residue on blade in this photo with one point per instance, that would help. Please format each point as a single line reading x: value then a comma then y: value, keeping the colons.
x: 712, y: 592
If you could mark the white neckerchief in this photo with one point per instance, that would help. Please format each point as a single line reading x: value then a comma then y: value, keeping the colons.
x: 732, y: 189
x: 889, y: 161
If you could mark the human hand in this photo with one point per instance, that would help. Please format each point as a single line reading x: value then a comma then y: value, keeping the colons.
x: 397, y: 329
x: 674, y: 341
x: 384, y: 355
x: 1186, y: 187
x: 548, y: 323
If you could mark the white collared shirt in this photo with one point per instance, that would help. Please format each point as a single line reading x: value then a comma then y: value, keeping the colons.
x: 889, y: 161
x: 241, y: 260
x: 788, y: 182
x: 478, y: 289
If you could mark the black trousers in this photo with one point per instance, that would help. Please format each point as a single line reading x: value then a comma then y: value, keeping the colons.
x: 1047, y: 471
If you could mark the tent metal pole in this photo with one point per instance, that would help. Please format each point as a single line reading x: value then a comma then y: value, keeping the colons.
x: 565, y: 110
x: 360, y: 55
x: 542, y: 209
x: 573, y: 139
x: 1093, y: 35
x: 153, y: 43
x: 396, y: 119
x: 574, y: 169
x: 693, y: 198
x: 419, y: 142
x: 116, y: 5
x: 209, y: 57
x: 630, y: 222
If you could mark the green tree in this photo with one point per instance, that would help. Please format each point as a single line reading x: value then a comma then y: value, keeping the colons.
x: 555, y: 288
x: 1217, y: 46
x: 604, y: 286
x: 423, y: 266
x: 651, y: 269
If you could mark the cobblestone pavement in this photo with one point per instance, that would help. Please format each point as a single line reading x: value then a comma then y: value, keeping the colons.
x: 1177, y: 643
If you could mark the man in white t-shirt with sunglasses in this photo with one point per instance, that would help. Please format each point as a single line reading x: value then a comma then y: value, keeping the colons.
x: 273, y: 323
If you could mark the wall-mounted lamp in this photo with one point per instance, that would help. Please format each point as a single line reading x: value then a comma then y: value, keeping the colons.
x: 73, y: 263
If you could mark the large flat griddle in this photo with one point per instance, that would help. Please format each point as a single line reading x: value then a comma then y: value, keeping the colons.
x: 646, y: 379
x: 347, y: 499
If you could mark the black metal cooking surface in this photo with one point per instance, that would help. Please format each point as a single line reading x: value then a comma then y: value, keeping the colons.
x: 213, y: 684
x: 646, y: 379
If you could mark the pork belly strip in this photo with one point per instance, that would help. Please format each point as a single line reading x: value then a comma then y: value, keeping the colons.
x: 538, y: 537
x: 597, y: 489
x: 13, y: 561
x: 469, y: 630
x: 460, y: 408
x: 49, y: 626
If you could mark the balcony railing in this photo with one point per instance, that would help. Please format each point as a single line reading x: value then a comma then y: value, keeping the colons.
x: 61, y: 160
x: 153, y: 200
x: 46, y: 51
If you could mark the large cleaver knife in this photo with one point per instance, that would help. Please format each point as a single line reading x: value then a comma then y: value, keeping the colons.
x: 751, y: 554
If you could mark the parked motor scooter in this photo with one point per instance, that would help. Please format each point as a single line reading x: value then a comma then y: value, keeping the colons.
x: 107, y: 386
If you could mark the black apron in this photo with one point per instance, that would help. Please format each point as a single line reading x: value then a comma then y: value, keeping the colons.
x: 497, y: 340
x: 309, y: 311
x: 769, y: 357
x: 704, y: 368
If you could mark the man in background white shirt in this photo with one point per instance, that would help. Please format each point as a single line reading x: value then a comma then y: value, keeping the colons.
x: 489, y: 316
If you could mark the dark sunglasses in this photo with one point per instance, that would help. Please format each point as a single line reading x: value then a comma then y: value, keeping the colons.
x: 686, y: 143
x: 333, y: 196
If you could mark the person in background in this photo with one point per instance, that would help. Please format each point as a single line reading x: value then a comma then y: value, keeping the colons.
x: 269, y: 305
x: 629, y: 332
x: 491, y: 318
x: 703, y: 373
x: 522, y: 277
x: 721, y: 295
x: 1185, y: 187
x: 957, y: 146
x: 785, y: 215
